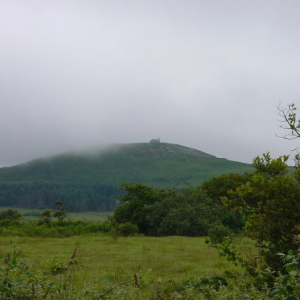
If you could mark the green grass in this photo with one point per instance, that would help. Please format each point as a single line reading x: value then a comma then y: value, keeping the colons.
x: 33, y: 214
x: 158, y: 261
x: 90, y: 216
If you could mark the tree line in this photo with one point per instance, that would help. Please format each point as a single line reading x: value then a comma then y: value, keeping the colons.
x: 76, y: 196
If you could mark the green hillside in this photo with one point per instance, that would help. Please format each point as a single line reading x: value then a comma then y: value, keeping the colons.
x: 91, y: 180
x: 160, y: 165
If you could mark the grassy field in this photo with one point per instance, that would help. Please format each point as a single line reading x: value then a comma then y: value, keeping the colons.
x: 115, y: 267
x: 104, y: 255
x: 33, y: 214
x: 107, y: 261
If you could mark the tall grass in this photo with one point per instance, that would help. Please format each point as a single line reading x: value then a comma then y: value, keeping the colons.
x: 138, y: 266
x: 102, y: 254
x: 102, y: 266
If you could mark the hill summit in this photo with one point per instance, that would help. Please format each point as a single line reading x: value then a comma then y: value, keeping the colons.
x: 158, y: 164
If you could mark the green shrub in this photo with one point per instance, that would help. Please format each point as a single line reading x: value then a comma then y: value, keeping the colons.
x: 46, y: 216
x: 287, y: 285
x: 126, y: 229
x: 10, y: 214
x: 52, y: 229
x: 218, y: 232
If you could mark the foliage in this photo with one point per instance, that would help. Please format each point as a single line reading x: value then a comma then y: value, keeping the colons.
x: 60, y: 214
x: 229, y: 250
x: 54, y: 228
x: 218, y: 232
x: 168, y: 212
x: 204, y: 286
x: 18, y: 282
x: 287, y: 285
x: 218, y: 187
x: 189, y: 213
x: 125, y: 229
x: 10, y: 214
x: 290, y: 121
x: 76, y: 196
x: 9, y: 217
x: 270, y: 202
x: 46, y: 216
x: 138, y: 200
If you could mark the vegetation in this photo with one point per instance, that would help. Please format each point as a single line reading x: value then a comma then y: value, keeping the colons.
x: 76, y: 196
x: 160, y: 165
x: 102, y: 267
x: 10, y: 214
x: 53, y: 228
x: 49, y: 224
x: 168, y: 212
x: 263, y: 206
x: 91, y: 181
x: 60, y: 213
x: 124, y: 268
x: 218, y: 187
x: 29, y: 214
x: 270, y: 202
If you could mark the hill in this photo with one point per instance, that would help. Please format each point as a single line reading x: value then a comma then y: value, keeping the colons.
x: 160, y: 165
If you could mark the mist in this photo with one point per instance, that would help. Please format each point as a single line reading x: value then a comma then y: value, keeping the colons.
x: 209, y: 75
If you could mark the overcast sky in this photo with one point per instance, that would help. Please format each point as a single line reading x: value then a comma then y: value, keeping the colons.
x: 206, y: 74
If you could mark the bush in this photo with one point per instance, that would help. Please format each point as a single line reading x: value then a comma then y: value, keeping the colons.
x: 126, y: 229
x: 10, y: 214
x: 218, y: 232
x: 287, y: 285
x: 53, y: 228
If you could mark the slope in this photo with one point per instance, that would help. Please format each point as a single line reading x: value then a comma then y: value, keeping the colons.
x: 161, y: 165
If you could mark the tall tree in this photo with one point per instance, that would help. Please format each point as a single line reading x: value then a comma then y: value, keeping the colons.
x: 136, y: 201
x: 271, y: 203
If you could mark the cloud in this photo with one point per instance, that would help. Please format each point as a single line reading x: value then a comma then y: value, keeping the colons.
x: 205, y: 74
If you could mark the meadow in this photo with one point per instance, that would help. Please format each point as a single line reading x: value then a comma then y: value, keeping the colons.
x: 77, y: 258
x: 34, y: 214
x: 127, y: 268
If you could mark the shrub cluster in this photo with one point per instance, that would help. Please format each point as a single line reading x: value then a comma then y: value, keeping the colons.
x: 189, y: 212
x: 52, y: 229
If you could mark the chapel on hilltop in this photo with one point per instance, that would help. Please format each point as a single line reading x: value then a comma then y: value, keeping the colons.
x: 155, y: 141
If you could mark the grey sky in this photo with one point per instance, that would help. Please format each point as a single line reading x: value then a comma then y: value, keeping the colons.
x: 204, y: 74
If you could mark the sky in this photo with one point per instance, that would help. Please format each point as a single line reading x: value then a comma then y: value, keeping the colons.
x: 206, y: 74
